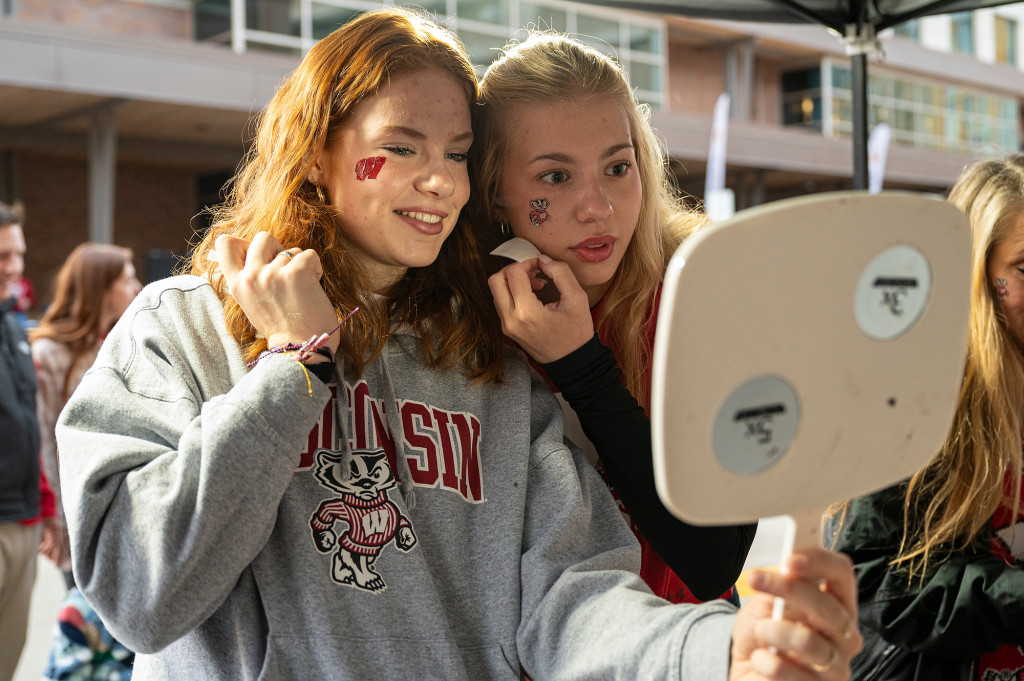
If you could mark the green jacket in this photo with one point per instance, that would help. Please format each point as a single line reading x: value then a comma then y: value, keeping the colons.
x: 970, y: 604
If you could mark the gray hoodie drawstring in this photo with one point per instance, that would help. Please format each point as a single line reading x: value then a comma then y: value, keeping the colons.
x: 392, y: 409
x: 345, y: 461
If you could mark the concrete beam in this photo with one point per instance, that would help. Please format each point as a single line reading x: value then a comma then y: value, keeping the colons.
x: 102, y: 174
x: 175, y: 72
x: 128, y: 149
x: 773, y: 148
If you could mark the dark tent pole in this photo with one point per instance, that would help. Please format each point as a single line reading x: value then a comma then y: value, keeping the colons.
x: 860, y: 39
x: 859, y: 85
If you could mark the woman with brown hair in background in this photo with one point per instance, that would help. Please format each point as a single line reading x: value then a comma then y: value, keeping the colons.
x: 92, y: 289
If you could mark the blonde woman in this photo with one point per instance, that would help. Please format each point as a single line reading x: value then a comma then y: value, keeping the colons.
x: 570, y: 163
x: 939, y: 557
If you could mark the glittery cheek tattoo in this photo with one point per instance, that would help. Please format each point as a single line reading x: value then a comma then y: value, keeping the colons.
x: 1000, y: 288
x: 369, y: 167
x: 539, y: 214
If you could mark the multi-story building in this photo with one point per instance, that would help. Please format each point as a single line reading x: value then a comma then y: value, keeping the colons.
x: 121, y: 119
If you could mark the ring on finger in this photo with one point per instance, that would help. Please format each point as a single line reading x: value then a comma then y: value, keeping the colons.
x: 829, y: 663
x: 288, y: 253
x: 844, y: 633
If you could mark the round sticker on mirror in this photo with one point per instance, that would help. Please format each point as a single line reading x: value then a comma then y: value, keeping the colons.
x: 893, y: 292
x: 756, y: 425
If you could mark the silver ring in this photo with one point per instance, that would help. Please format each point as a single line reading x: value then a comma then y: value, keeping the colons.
x: 289, y: 254
x: 829, y: 663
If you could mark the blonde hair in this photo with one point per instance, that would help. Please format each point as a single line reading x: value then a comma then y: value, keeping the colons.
x: 949, y: 504
x: 549, y: 67
x: 446, y: 302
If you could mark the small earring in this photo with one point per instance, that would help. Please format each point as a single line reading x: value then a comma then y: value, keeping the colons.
x: 504, y: 229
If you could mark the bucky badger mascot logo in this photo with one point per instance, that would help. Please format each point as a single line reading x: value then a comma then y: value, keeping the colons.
x: 362, y: 479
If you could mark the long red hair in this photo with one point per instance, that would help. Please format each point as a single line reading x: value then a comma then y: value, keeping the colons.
x: 447, y: 302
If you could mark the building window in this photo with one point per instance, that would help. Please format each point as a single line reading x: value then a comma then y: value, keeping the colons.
x: 925, y: 114
x: 485, y: 26
x: 212, y: 21
x: 801, y: 98
x: 542, y: 16
x: 274, y: 16
x: 963, y: 32
x: 1006, y: 41
x: 599, y: 32
x: 487, y: 11
x: 326, y: 19
x: 909, y: 29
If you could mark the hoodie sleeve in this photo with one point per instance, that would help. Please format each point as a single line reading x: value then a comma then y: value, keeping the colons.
x: 174, y: 459
x: 968, y: 605
x: 585, y: 612
x: 708, y: 559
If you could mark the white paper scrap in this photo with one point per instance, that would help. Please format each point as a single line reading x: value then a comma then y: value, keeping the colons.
x: 516, y: 249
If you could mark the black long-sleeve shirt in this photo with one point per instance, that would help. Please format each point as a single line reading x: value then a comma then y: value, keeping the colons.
x: 707, y: 558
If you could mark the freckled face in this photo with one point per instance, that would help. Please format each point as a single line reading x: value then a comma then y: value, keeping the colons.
x: 396, y: 172
x: 584, y: 167
x: 1006, y: 277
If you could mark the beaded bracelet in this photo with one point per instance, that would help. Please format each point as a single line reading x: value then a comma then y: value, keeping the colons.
x: 300, y: 352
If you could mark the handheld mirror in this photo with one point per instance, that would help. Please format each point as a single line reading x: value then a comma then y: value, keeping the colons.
x: 808, y: 351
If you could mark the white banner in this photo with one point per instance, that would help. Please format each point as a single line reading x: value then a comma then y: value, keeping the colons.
x: 715, y: 178
x: 878, y: 152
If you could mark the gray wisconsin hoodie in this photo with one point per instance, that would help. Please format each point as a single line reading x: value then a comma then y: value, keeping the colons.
x: 405, y: 525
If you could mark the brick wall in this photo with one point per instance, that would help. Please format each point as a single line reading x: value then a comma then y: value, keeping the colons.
x: 696, y: 76
x: 153, y: 210
x: 767, y: 105
x: 126, y: 17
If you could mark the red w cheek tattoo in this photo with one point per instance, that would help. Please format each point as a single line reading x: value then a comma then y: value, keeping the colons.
x: 1000, y: 288
x: 539, y: 214
x: 369, y: 167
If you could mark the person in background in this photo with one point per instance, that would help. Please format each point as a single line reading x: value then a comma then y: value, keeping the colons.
x: 569, y: 162
x: 91, y: 291
x: 28, y: 521
x: 315, y: 457
x: 83, y: 649
x: 940, y: 557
